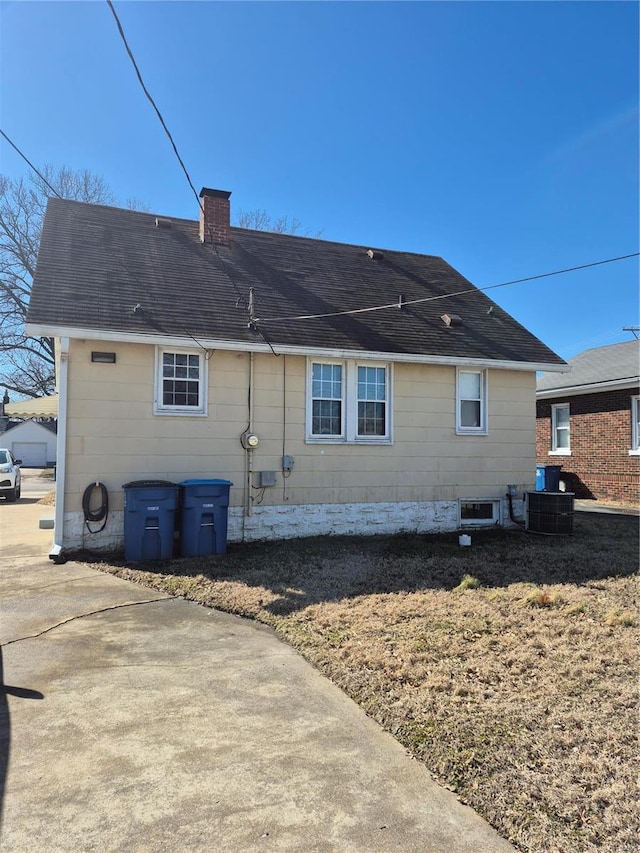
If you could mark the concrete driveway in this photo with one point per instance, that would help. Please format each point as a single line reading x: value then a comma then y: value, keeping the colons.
x: 133, y: 721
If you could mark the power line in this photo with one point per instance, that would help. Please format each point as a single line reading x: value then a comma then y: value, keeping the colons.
x: 26, y: 159
x: 444, y: 295
x: 150, y: 99
x: 170, y: 137
x: 334, y: 313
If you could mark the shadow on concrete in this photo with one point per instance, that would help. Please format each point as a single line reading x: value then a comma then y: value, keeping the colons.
x: 5, y: 725
x: 321, y: 569
x: 5, y: 737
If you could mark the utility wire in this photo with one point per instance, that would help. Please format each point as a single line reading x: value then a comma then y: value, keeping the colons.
x: 170, y: 137
x: 26, y: 159
x: 442, y: 296
x: 334, y: 313
x: 150, y: 99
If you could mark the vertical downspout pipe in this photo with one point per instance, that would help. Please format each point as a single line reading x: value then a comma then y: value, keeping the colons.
x: 55, y: 553
x: 250, y: 452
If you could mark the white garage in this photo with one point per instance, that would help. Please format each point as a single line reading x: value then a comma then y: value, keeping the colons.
x: 32, y: 442
x: 32, y: 453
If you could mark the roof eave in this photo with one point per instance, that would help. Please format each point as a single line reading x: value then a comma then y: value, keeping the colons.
x: 590, y: 388
x: 42, y: 330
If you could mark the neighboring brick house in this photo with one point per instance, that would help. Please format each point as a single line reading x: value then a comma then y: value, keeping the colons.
x: 588, y: 421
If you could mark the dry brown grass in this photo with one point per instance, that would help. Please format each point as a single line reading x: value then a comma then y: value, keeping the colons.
x: 519, y: 694
x: 49, y: 499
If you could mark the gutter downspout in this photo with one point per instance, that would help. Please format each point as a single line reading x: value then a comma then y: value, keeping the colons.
x: 55, y: 553
x: 249, y: 453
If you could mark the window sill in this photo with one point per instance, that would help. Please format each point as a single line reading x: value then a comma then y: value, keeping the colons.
x: 635, y: 452
x: 481, y: 432
x: 179, y: 413
x: 559, y: 453
x: 352, y: 442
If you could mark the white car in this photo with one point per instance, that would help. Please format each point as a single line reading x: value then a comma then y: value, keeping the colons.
x: 9, y: 475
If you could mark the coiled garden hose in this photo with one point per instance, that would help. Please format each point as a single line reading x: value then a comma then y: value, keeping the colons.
x: 95, y: 516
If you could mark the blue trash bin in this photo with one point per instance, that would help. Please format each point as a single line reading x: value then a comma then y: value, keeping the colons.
x: 205, y: 505
x: 552, y: 478
x: 149, y: 514
x: 548, y: 478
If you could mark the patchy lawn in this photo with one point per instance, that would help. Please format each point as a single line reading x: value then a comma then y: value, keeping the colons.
x: 509, y: 668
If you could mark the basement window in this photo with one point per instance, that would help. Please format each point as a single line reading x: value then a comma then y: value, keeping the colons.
x: 180, y: 386
x: 479, y: 513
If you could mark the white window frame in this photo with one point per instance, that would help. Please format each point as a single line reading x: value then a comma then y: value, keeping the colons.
x: 483, y: 429
x: 336, y: 437
x: 349, y: 425
x: 496, y: 515
x: 555, y: 450
x: 159, y: 408
x: 635, y: 426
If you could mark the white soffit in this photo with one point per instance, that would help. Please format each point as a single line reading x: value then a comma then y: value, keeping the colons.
x: 38, y: 330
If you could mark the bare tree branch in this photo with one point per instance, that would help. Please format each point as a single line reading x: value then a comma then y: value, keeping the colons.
x: 26, y: 363
x: 259, y: 220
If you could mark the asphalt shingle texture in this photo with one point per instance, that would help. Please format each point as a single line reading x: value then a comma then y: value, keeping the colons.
x: 616, y: 362
x: 96, y: 263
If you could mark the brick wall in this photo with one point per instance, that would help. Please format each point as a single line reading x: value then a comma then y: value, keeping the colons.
x: 599, y: 466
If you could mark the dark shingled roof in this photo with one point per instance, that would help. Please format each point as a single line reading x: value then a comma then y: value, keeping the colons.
x: 613, y: 363
x: 96, y: 263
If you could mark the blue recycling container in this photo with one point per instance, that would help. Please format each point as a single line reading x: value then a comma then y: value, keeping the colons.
x: 205, y: 505
x: 540, y: 478
x: 149, y: 515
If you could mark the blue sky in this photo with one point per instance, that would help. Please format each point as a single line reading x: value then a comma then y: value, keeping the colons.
x: 501, y: 136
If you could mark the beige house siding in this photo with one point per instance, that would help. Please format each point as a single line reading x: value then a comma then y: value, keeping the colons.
x: 113, y: 435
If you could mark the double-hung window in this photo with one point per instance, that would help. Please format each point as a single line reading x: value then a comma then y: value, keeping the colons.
x: 348, y: 402
x: 327, y: 400
x: 180, y: 383
x: 471, y: 402
x: 560, y: 429
x: 635, y: 425
x: 372, y: 401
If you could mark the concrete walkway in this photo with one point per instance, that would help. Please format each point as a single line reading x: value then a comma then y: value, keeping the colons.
x: 133, y: 721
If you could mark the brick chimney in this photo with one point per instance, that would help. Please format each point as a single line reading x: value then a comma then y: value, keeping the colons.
x: 215, y: 216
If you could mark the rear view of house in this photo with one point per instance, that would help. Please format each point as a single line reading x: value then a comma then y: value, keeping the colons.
x: 340, y: 388
x: 588, y: 421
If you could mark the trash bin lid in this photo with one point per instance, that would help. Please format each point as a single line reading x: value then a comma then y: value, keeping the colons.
x: 206, y: 483
x: 149, y: 484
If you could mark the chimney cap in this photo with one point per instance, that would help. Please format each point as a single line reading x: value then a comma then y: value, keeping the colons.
x: 206, y: 191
